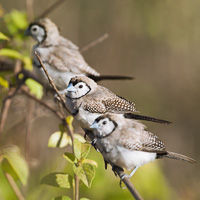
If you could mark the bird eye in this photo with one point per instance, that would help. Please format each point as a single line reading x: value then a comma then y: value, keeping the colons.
x: 105, y: 122
x: 80, y: 86
x: 34, y: 29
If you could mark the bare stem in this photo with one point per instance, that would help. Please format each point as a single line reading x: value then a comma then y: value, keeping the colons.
x: 94, y: 43
x: 14, y: 186
x: 50, y: 9
x: 69, y: 131
x: 120, y: 173
x: 28, y: 127
x: 29, y: 9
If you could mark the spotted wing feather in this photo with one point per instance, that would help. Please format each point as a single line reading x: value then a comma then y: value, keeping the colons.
x: 146, y: 141
x: 119, y: 104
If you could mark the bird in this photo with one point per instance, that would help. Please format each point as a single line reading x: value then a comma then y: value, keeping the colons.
x: 86, y: 100
x: 60, y: 56
x: 125, y: 143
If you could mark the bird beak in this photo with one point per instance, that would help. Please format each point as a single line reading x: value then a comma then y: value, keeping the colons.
x: 70, y: 88
x: 94, y: 126
x: 27, y: 32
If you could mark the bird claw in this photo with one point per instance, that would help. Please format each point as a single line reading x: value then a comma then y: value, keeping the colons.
x: 121, y: 179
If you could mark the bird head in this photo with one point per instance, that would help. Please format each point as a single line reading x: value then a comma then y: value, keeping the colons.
x: 79, y: 86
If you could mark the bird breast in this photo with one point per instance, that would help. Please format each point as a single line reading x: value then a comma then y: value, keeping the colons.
x: 129, y: 159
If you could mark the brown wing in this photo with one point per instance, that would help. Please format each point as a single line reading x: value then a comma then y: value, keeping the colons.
x: 143, y: 141
x: 66, y: 59
x: 119, y: 104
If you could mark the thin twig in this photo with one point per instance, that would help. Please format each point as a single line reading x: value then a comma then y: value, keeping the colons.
x: 58, y: 114
x: 128, y: 184
x: 29, y: 10
x: 94, y: 43
x: 5, y: 108
x: 28, y: 127
x: 14, y: 187
x: 50, y: 9
x: 69, y: 131
x: 51, y: 81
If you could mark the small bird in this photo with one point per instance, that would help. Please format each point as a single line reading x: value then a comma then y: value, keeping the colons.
x: 126, y: 144
x: 86, y: 100
x: 60, y: 56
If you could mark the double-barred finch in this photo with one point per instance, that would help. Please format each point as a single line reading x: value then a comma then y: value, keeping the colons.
x: 60, y: 56
x: 87, y: 100
x: 126, y: 144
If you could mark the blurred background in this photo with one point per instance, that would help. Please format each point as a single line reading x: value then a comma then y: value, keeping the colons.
x: 157, y: 42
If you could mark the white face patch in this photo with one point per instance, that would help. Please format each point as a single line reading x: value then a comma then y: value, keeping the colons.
x: 81, y: 89
x: 37, y: 32
x: 106, y: 127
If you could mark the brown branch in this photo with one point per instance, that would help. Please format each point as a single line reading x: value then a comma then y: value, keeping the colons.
x: 28, y: 127
x: 8, y: 99
x: 69, y: 131
x: 51, y: 81
x: 5, y: 108
x: 14, y: 186
x: 50, y: 9
x: 58, y: 114
x: 128, y: 184
x: 119, y: 172
x: 94, y: 43
x: 29, y: 10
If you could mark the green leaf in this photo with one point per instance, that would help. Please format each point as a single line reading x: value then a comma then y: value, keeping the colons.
x: 61, y: 198
x: 27, y: 63
x: 3, y: 37
x: 84, y: 199
x: 86, y: 172
x: 17, y: 161
x: 58, y: 139
x: 4, y: 82
x: 81, y: 150
x: 70, y: 157
x: 80, y: 138
x: 16, y: 20
x: 11, y: 53
x: 92, y: 162
x: 58, y: 179
x: 35, y: 88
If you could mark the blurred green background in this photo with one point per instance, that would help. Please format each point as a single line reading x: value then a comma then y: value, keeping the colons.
x: 157, y: 42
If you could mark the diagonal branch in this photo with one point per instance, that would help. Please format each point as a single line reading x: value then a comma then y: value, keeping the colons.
x: 94, y: 43
x: 119, y: 172
x: 76, y: 195
x: 50, y: 9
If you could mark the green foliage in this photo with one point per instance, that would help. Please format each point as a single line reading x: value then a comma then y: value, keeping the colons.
x: 58, y: 179
x: 4, y: 82
x: 3, y: 36
x: 86, y: 172
x: 81, y: 150
x: 15, y: 21
x: 6, y: 192
x: 35, y: 88
x: 17, y: 162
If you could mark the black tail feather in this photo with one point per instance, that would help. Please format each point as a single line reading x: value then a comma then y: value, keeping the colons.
x: 177, y: 156
x: 109, y: 77
x: 145, y: 118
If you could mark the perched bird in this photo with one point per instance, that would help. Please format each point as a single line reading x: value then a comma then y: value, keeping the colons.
x: 126, y: 144
x: 60, y: 56
x: 86, y: 100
